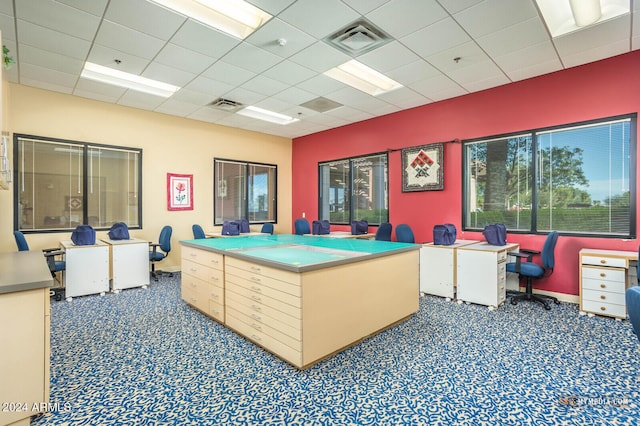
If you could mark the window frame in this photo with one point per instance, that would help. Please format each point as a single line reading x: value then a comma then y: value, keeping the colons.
x: 245, y: 207
x: 350, y: 189
x: 632, y: 117
x: 85, y: 180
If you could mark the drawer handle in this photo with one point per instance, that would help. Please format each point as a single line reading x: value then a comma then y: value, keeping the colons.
x: 193, y: 254
x: 256, y: 289
x: 256, y: 298
x: 214, y: 296
x: 254, y: 337
x: 193, y: 300
x: 256, y: 317
x: 193, y: 269
x: 255, y: 279
x: 193, y: 285
x: 215, y: 261
x: 256, y: 308
x: 603, y: 285
x: 602, y: 308
x: 603, y: 297
x: 215, y: 312
x: 256, y: 326
x: 602, y: 274
x: 603, y: 261
x: 255, y: 268
x: 215, y: 279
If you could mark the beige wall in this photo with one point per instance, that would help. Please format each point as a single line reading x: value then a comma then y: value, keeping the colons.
x: 170, y: 145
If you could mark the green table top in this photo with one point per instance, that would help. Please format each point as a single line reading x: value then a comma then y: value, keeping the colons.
x: 300, y: 253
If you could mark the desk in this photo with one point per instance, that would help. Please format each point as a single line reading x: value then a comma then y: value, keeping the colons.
x: 246, y: 234
x: 438, y: 266
x: 482, y: 275
x: 24, y: 332
x: 605, y: 275
x: 87, y: 269
x: 344, y: 234
x: 128, y: 263
x: 303, y: 298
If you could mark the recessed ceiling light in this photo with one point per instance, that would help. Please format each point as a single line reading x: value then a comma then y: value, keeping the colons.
x: 361, y: 77
x: 124, y: 79
x: 266, y: 115
x: 565, y: 16
x: 237, y: 18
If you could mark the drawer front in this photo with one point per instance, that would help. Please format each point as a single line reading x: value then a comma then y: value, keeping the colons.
x: 601, y: 285
x: 604, y: 274
x: 263, y: 290
x: 278, y: 274
x: 276, y: 284
x: 203, y: 257
x: 214, y: 292
x: 257, y: 299
x: 293, y: 355
x: 279, y: 331
x: 205, y: 273
x: 272, y: 317
x: 216, y: 310
x: 615, y: 262
x: 502, y: 256
x: 609, y: 309
x: 192, y: 295
x: 604, y: 297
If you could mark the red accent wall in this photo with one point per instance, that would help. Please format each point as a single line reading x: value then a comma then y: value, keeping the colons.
x: 605, y: 88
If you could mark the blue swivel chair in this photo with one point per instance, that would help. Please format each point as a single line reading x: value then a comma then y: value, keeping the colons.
x: 404, y: 234
x: 632, y: 296
x: 50, y: 254
x: 198, y: 232
x: 160, y: 250
x: 301, y: 226
x: 531, y: 271
x: 267, y: 228
x: 384, y: 232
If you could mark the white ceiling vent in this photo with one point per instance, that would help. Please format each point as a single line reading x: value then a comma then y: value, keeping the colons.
x: 225, y: 105
x: 321, y: 104
x: 358, y: 37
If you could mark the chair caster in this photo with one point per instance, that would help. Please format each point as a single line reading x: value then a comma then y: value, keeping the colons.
x: 547, y: 307
x: 514, y: 301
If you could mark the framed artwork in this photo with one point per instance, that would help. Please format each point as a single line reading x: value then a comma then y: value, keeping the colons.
x: 179, y: 192
x: 422, y: 168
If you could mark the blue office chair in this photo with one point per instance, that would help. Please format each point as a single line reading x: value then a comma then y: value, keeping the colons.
x: 198, y: 232
x: 384, y: 232
x: 404, y: 234
x: 632, y: 297
x: 50, y: 254
x: 532, y: 271
x: 160, y: 250
x: 301, y: 226
x: 267, y: 228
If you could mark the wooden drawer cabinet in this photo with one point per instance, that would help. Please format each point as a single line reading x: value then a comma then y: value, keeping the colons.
x: 603, y: 281
x: 203, y: 281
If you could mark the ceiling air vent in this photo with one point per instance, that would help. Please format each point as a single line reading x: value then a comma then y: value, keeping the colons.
x: 225, y: 105
x: 321, y: 104
x: 358, y: 37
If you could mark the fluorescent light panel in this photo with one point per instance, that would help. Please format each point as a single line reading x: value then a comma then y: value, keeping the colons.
x: 234, y: 17
x: 130, y: 81
x: 361, y: 77
x: 566, y: 16
x: 266, y: 115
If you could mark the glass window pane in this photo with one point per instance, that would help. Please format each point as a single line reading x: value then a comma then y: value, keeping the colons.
x: 335, y: 179
x: 584, y: 183
x: 229, y: 191
x: 262, y: 193
x: 370, y: 199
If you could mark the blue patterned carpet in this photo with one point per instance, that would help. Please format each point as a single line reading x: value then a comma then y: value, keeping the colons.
x: 143, y: 357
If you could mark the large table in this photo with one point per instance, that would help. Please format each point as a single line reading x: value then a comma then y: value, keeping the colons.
x: 302, y: 298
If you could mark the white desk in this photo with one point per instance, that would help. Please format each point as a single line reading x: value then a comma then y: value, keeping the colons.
x: 128, y: 263
x: 482, y: 275
x: 438, y: 268
x: 245, y: 234
x: 87, y: 269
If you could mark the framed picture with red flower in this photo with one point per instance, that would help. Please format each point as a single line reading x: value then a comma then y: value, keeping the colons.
x: 179, y: 192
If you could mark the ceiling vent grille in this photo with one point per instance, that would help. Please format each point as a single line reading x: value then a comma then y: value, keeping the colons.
x: 358, y: 37
x: 225, y: 105
x: 321, y: 104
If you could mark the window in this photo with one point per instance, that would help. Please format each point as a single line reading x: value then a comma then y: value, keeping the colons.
x: 244, y: 190
x: 576, y: 179
x: 61, y: 184
x: 354, y: 189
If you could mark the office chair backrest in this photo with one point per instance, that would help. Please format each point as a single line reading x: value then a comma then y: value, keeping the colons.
x: 548, y: 256
x: 302, y: 226
x: 165, y: 239
x: 21, y: 241
x: 404, y: 234
x: 267, y: 228
x: 198, y: 232
x: 384, y: 232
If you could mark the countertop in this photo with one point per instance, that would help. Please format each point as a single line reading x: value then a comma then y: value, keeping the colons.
x: 24, y: 270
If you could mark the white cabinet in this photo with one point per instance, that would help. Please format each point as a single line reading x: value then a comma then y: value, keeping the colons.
x: 482, y: 275
x: 438, y: 268
x: 87, y: 269
x: 604, y: 278
x: 129, y: 263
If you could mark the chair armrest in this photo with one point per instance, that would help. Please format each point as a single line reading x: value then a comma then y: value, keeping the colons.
x: 154, y: 249
x: 52, y: 252
x: 519, y: 256
x: 530, y: 251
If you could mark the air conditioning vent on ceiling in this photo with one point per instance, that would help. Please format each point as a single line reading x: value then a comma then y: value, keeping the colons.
x: 358, y: 37
x: 225, y: 104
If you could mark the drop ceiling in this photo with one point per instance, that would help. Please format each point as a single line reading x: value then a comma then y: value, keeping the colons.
x: 496, y: 42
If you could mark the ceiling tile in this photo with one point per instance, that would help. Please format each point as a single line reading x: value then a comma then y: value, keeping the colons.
x: 228, y: 73
x: 280, y: 38
x: 251, y: 58
x: 47, y: 39
x: 166, y: 74
x: 530, y: 61
x: 318, y: 18
x: 127, y: 40
x: 490, y: 16
x: 264, y: 85
x: 59, y: 17
x: 402, y: 17
x: 107, y: 57
x: 140, y: 100
x: 176, y: 107
x: 143, y: 16
x: 515, y: 37
x: 273, y: 7
x: 388, y: 57
x: 202, y: 39
x: 435, y: 38
x: 202, y: 90
x: 320, y: 57
x: 364, y: 6
x: 183, y: 59
x: 50, y: 60
x: 94, y: 7
x: 289, y: 72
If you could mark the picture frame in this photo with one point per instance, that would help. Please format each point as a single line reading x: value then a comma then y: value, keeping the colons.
x: 422, y: 168
x: 179, y: 192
